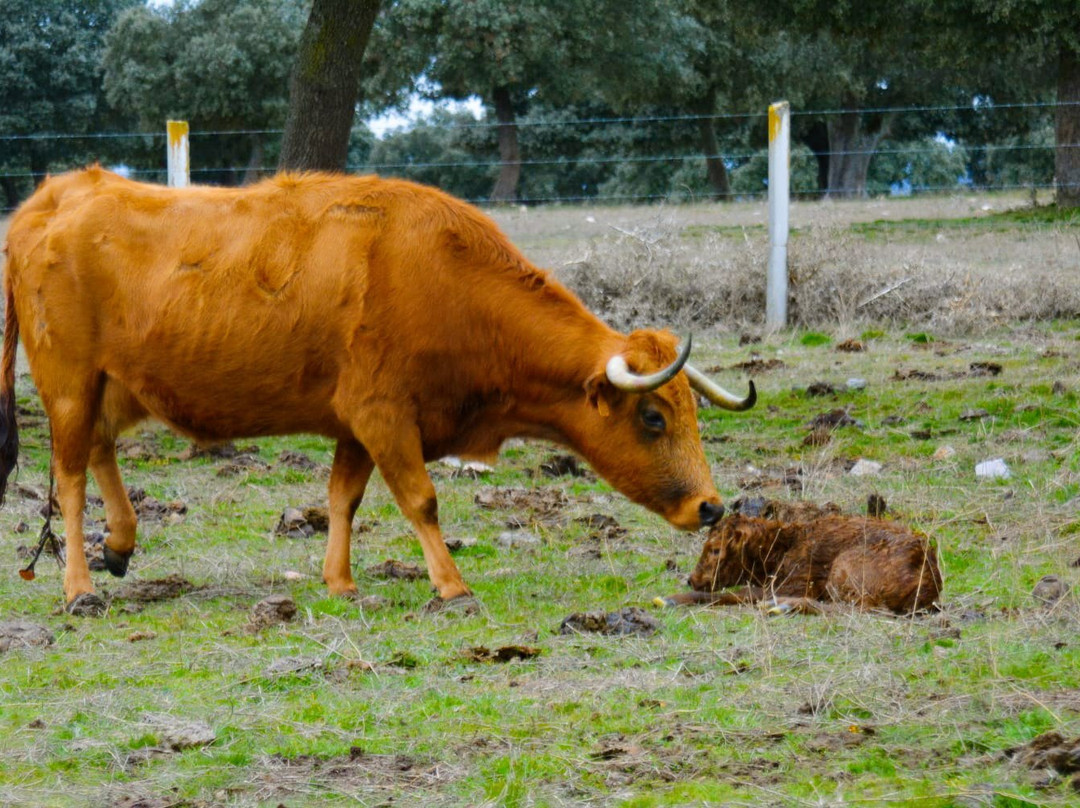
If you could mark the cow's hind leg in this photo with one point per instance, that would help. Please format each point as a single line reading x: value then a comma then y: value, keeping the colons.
x: 119, y: 514
x: 348, y: 479
x: 71, y: 416
x: 119, y: 410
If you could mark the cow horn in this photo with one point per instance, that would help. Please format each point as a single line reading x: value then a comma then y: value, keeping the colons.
x: 717, y: 394
x: 619, y: 374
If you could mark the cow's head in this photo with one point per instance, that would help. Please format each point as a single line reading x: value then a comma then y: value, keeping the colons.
x: 642, y: 433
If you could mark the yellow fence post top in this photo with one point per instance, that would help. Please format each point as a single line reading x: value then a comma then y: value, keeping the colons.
x: 775, y: 112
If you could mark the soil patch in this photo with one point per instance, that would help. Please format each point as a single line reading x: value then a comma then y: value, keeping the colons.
x: 302, y: 522
x: 542, y: 505
x: 392, y: 568
x: 350, y: 774
x: 564, y: 465
x: 168, y: 588
x: 602, y: 527
x: 16, y: 634
x: 270, y: 611
x: 631, y: 620
x: 506, y: 653
x: 148, y: 509
x: 217, y: 451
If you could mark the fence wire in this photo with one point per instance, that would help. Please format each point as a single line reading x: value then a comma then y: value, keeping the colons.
x: 610, y: 159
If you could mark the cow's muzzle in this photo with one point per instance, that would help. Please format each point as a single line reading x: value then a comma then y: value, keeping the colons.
x: 710, y: 513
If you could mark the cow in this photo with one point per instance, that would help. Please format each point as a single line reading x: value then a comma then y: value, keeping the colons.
x: 795, y: 566
x: 388, y: 316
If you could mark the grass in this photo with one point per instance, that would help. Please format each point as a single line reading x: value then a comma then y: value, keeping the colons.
x: 354, y: 705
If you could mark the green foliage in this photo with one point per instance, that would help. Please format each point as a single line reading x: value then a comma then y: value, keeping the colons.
x: 752, y: 176
x: 219, y: 64
x: 925, y: 164
x: 813, y: 339
x: 50, y: 81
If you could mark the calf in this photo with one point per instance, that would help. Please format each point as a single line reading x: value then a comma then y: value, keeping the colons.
x: 794, y: 566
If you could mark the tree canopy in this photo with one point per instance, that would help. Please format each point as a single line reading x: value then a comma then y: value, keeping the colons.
x: 994, y: 85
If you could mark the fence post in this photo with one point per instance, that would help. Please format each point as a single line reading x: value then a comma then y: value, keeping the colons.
x: 177, y: 153
x: 776, y: 291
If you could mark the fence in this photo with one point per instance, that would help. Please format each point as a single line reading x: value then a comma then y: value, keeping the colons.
x: 640, y: 159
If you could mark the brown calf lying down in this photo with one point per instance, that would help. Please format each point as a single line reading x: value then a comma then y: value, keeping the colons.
x: 794, y: 566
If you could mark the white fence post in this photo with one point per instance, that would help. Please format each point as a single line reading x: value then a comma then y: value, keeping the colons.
x: 177, y: 152
x: 776, y: 291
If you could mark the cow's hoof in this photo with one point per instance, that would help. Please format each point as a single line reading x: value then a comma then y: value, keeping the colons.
x: 86, y: 605
x: 116, y: 563
x: 462, y: 604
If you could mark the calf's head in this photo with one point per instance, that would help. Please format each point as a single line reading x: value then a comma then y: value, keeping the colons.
x: 739, y: 550
x: 642, y: 434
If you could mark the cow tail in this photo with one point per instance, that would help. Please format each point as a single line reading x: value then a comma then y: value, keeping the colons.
x: 9, y: 431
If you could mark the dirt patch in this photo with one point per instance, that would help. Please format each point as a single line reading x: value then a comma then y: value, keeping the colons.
x: 1050, y: 752
x: 271, y: 611
x: 790, y: 478
x: 506, y: 653
x: 401, y: 570
x: 602, y: 527
x: 540, y: 505
x: 216, y: 451
x: 168, y: 588
x: 352, y: 774
x: 631, y: 620
x: 851, y: 346
x: 298, y: 460
x: 242, y: 464
x: 177, y: 734
x: 18, y: 634
x: 148, y: 509
x: 564, y: 465
x: 303, y: 522
x: 754, y: 366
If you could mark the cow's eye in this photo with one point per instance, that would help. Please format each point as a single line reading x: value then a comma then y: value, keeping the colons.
x: 653, y: 420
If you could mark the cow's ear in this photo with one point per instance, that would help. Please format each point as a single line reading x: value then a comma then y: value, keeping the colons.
x: 598, y: 392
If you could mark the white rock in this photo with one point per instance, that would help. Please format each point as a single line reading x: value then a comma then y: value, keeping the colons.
x: 992, y: 469
x: 856, y: 384
x: 865, y: 468
x: 293, y: 575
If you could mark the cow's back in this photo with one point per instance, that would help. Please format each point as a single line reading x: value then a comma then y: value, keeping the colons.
x: 229, y: 312
x: 222, y: 311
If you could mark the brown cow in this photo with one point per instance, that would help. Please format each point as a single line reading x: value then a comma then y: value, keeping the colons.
x: 792, y: 566
x: 383, y: 314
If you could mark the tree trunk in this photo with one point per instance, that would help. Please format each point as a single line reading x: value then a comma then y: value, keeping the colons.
x: 252, y: 172
x: 11, y: 191
x: 1067, y: 129
x: 39, y: 163
x: 325, y: 84
x: 506, y: 186
x: 817, y: 140
x: 851, y: 148
x: 715, y: 169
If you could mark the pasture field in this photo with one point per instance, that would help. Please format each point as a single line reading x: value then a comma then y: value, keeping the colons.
x: 180, y: 696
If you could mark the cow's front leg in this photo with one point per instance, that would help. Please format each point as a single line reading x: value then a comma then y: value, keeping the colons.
x: 348, y: 479
x: 398, y: 453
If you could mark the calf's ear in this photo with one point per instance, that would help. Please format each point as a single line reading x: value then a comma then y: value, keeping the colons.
x: 599, y: 392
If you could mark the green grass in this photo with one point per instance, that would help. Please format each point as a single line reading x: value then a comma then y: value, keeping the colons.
x: 724, y: 707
